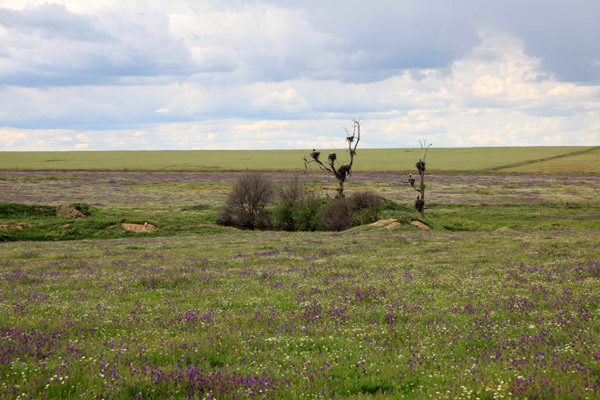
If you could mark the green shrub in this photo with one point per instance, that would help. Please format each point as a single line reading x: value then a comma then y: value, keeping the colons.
x: 306, y: 214
x: 297, y: 208
x: 364, y: 207
x: 245, y: 205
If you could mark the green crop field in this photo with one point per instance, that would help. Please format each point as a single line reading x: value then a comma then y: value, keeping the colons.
x: 587, y: 162
x: 439, y: 159
x: 499, y: 299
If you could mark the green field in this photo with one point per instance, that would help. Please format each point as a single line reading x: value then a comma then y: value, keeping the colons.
x: 439, y: 159
x: 583, y: 163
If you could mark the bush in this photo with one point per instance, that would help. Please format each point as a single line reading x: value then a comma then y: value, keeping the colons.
x: 357, y: 209
x: 291, y: 195
x: 245, y: 205
x: 306, y: 213
x: 336, y: 215
x: 364, y: 207
x: 297, y: 209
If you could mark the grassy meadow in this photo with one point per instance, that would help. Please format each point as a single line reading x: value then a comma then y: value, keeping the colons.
x: 500, y: 299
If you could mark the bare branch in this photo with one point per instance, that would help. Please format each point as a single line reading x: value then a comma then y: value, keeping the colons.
x: 314, y: 158
x: 424, y: 147
x: 343, y: 171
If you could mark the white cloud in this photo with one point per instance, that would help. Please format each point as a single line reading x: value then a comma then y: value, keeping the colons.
x: 8, y: 137
x: 489, y: 86
x: 228, y: 74
x: 288, y: 101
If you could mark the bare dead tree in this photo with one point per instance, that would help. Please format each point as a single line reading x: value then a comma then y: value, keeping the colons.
x: 342, y: 171
x: 420, y: 201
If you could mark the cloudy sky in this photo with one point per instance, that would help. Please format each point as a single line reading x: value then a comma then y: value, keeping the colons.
x: 262, y: 74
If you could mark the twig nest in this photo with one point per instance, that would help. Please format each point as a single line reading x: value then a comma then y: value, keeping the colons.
x: 332, y: 157
x: 343, y: 171
x: 419, y: 204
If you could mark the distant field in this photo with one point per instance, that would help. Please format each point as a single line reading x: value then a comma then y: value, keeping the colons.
x: 581, y: 163
x: 520, y: 159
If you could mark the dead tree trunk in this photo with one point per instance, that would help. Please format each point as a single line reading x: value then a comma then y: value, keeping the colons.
x: 420, y: 201
x: 343, y: 171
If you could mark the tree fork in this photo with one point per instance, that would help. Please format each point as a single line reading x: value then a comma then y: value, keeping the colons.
x: 420, y: 201
x: 343, y: 171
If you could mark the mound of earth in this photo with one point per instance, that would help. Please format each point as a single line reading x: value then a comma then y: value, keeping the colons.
x: 387, y: 223
x: 65, y: 210
x: 146, y: 227
x: 394, y: 223
x: 419, y: 225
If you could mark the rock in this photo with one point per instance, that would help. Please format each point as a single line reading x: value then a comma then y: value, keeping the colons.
x: 419, y: 225
x: 393, y: 225
x: 387, y: 223
x: 146, y: 227
x: 383, y: 222
x: 65, y: 210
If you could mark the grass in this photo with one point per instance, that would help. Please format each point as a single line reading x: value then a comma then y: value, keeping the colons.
x: 498, y: 300
x: 38, y: 222
x: 361, y: 314
x: 439, y: 159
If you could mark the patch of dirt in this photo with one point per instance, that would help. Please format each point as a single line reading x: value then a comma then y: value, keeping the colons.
x: 419, y: 225
x: 8, y: 227
x: 394, y: 223
x: 65, y: 210
x: 387, y: 223
x: 146, y: 227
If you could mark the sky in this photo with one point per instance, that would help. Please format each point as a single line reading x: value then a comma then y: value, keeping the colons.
x: 233, y: 74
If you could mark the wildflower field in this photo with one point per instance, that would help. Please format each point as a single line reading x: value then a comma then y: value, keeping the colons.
x: 499, y: 300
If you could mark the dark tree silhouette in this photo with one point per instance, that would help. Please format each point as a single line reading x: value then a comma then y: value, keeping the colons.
x: 342, y: 171
x: 420, y: 201
x: 245, y: 204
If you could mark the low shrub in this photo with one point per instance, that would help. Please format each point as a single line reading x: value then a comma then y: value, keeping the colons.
x: 336, y: 215
x: 297, y: 209
x: 359, y: 208
x: 245, y: 205
x: 291, y: 194
x: 306, y: 214
x: 364, y: 207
